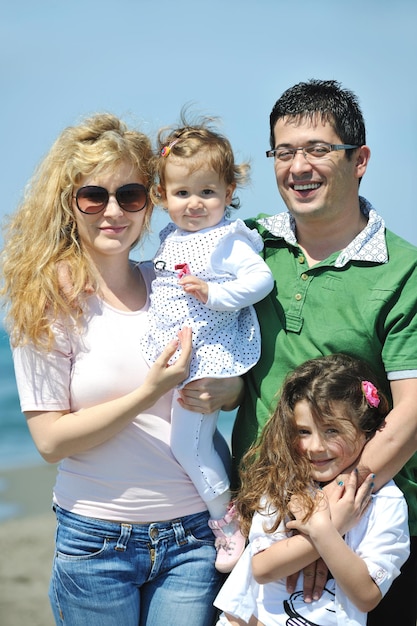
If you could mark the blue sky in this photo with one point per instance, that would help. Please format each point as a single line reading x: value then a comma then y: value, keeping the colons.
x: 144, y: 59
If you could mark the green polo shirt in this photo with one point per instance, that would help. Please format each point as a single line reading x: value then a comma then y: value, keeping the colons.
x: 363, y: 308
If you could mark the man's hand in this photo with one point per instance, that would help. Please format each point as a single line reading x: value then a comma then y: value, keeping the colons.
x: 207, y: 395
x: 315, y: 578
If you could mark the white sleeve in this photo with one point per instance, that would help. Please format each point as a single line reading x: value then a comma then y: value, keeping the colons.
x: 43, y: 377
x: 259, y: 538
x: 385, y: 542
x: 235, y: 255
x: 238, y: 594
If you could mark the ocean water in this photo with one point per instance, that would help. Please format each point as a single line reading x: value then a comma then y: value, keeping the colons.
x: 16, y: 446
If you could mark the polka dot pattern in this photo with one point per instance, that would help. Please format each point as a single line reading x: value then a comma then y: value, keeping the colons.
x: 225, y: 343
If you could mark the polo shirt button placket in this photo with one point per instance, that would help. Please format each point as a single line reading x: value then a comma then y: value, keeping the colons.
x: 304, y: 280
x: 293, y: 315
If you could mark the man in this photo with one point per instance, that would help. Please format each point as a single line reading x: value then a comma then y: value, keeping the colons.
x: 343, y: 284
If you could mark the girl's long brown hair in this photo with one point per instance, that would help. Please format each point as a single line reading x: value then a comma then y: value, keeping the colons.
x: 273, y: 469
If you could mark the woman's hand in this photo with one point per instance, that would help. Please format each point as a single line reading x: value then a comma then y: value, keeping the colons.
x: 58, y: 434
x: 343, y: 508
x: 164, y: 377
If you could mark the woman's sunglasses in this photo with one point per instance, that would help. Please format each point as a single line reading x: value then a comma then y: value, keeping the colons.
x: 92, y: 199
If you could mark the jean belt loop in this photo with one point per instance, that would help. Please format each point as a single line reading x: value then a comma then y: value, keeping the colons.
x: 179, y: 532
x: 125, y: 532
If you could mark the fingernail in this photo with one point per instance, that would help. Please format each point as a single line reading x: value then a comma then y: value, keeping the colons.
x: 372, y: 475
x: 372, y: 484
x: 340, y: 483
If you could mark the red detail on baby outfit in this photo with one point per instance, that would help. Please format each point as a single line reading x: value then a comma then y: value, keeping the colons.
x: 182, y: 269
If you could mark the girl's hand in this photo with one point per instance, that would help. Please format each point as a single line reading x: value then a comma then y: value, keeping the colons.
x: 319, y: 518
x: 164, y: 377
x: 347, y: 501
x: 195, y: 287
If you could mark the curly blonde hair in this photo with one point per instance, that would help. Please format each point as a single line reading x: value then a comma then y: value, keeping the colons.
x: 199, y: 143
x: 274, y: 469
x: 41, y: 238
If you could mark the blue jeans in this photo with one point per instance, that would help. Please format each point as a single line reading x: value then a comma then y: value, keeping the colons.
x: 113, y: 574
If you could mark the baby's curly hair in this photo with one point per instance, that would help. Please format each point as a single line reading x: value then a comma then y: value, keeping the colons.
x: 199, y: 143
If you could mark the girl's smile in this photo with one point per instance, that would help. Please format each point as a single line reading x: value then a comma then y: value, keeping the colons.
x: 326, y: 445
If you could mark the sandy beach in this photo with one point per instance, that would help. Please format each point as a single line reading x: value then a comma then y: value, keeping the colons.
x: 26, y: 546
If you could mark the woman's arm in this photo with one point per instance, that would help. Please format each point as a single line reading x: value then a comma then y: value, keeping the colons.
x: 59, y: 434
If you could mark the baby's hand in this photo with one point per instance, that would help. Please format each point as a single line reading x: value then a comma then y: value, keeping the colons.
x: 195, y: 287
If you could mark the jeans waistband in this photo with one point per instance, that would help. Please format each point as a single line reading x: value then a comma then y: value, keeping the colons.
x: 113, y: 527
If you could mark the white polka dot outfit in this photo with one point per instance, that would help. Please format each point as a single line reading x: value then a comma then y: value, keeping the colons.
x: 225, y: 343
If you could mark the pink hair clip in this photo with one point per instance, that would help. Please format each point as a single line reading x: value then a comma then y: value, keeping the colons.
x: 371, y: 394
x: 167, y: 149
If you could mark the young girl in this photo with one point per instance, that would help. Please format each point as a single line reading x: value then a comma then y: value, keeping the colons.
x: 329, y: 408
x: 208, y: 276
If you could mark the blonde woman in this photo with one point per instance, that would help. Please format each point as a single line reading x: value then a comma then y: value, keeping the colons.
x: 132, y: 543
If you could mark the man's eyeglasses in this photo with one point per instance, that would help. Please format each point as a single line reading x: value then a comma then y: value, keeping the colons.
x: 312, y: 153
x: 92, y: 199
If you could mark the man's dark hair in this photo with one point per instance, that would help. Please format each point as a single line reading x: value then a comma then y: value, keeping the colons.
x: 325, y: 100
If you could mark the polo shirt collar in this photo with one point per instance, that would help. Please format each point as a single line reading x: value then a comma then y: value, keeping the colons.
x: 369, y: 245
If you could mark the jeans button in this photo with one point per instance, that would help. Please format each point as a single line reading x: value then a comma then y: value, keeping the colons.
x: 153, y: 533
